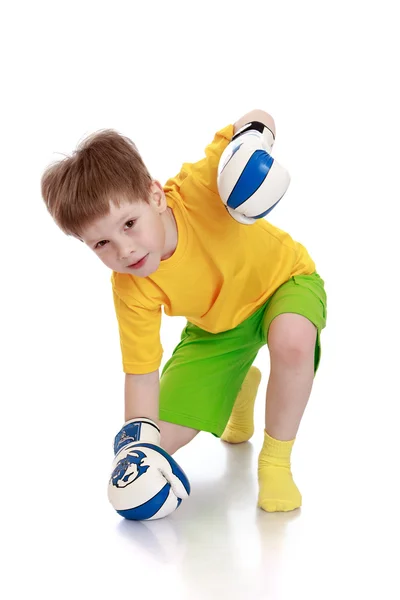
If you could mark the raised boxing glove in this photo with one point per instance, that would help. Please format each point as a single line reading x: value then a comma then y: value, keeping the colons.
x: 250, y: 182
x: 146, y: 482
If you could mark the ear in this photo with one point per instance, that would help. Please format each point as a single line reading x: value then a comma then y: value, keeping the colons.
x: 157, y: 196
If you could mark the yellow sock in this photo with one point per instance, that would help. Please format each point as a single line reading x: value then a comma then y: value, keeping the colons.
x: 277, y: 490
x: 240, y: 426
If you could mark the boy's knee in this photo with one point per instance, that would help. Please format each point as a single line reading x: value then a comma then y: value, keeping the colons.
x: 175, y: 436
x: 291, y: 339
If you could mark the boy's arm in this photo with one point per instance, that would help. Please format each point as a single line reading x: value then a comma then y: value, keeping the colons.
x: 142, y: 396
x: 138, y: 454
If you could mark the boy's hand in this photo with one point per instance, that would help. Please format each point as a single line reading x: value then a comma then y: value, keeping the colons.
x: 146, y: 482
x: 250, y: 181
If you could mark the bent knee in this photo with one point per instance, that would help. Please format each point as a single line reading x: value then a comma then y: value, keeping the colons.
x: 291, y: 339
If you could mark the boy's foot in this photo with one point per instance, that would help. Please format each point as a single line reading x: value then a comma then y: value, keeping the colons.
x: 277, y: 490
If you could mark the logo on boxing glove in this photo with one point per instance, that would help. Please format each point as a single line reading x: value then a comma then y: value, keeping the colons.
x: 129, y: 469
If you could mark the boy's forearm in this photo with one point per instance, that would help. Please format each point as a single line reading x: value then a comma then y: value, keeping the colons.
x: 142, y: 396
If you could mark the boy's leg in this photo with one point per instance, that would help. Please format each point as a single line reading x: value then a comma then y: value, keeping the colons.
x: 240, y: 426
x: 293, y: 341
x: 202, y: 379
x: 291, y: 344
x: 175, y: 436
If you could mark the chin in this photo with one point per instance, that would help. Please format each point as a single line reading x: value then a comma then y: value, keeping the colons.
x: 152, y: 265
x: 153, y: 262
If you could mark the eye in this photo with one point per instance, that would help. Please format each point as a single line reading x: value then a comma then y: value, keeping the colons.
x: 100, y: 244
x: 130, y: 224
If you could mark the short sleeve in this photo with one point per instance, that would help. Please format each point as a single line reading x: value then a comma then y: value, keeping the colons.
x: 139, y: 333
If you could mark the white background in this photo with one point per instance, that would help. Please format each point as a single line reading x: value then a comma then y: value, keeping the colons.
x: 168, y: 75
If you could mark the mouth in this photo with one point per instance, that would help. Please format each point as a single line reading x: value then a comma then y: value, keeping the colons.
x: 139, y: 263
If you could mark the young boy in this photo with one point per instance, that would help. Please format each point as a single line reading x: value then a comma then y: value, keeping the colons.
x: 240, y: 286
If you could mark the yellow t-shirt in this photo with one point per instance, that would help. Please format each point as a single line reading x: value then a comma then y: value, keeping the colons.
x: 220, y: 274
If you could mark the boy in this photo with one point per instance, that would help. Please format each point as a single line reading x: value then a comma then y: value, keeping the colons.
x: 239, y: 286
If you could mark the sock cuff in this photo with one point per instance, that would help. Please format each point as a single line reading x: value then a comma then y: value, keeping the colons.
x: 277, y: 449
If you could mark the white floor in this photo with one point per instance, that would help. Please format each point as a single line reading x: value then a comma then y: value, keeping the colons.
x: 65, y: 541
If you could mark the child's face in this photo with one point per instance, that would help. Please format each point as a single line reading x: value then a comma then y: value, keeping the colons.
x: 134, y: 232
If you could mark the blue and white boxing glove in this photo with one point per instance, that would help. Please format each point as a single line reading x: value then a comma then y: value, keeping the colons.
x: 250, y: 182
x: 146, y: 482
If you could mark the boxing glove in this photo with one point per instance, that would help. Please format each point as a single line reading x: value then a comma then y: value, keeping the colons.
x: 146, y: 482
x: 250, y: 182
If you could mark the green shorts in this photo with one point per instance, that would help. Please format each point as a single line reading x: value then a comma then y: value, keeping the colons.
x: 201, y: 380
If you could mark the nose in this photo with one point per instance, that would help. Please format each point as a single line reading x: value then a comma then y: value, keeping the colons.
x: 124, y: 252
